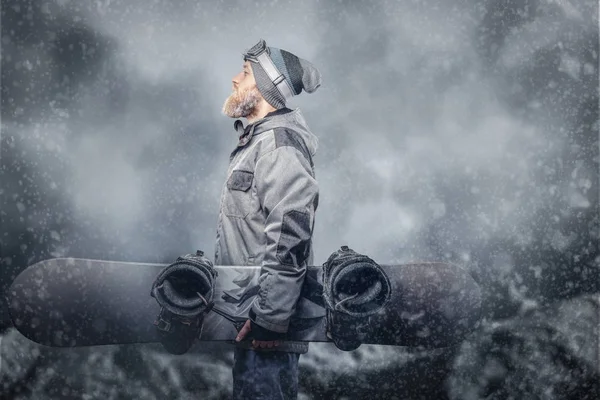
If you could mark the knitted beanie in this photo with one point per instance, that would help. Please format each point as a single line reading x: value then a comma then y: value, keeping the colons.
x: 298, y: 73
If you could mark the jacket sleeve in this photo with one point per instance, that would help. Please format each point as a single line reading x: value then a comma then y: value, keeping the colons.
x: 287, y: 190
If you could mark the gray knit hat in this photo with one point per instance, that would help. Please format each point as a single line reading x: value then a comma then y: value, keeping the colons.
x: 280, y: 74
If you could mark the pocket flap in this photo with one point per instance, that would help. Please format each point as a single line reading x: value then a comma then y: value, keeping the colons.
x: 240, y: 180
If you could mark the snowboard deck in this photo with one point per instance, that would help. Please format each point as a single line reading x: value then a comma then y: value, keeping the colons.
x: 70, y: 302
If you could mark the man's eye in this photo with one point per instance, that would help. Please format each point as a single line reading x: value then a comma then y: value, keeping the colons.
x: 245, y: 73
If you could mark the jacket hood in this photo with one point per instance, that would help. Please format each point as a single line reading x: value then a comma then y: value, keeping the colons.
x: 284, y: 118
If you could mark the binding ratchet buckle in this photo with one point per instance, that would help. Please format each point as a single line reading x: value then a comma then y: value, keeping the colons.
x: 164, y: 321
x: 161, y: 323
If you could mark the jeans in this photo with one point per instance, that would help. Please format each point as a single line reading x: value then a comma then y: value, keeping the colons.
x: 265, y: 375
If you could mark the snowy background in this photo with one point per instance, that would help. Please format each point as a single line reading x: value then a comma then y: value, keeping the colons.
x: 463, y: 130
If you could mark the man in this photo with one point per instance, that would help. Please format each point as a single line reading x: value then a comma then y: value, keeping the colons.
x: 266, y: 216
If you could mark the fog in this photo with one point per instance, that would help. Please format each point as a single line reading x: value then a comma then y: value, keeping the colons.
x: 461, y: 131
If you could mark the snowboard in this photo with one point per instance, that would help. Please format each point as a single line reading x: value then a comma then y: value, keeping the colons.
x: 72, y: 302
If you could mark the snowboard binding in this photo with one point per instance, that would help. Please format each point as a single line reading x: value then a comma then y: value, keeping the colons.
x: 184, y: 290
x: 354, y: 288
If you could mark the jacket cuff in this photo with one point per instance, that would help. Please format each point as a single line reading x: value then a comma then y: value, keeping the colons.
x: 263, y: 334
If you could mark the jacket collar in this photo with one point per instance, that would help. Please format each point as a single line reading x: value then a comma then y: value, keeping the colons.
x: 245, y: 134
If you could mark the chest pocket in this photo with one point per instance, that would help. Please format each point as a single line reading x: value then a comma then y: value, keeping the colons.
x: 238, y: 201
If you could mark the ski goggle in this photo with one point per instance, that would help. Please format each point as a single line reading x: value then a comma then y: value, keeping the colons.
x: 260, y: 53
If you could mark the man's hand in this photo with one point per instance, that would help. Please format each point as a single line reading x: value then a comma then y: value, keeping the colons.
x: 255, y: 343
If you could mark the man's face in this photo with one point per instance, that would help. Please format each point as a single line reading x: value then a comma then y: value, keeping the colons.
x: 245, y: 97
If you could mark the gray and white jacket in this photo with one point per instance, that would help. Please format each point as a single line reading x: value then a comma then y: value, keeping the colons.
x: 267, y: 213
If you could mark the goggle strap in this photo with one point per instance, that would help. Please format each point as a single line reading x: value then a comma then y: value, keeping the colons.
x: 276, y: 77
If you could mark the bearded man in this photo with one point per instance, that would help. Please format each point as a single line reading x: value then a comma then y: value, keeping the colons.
x: 267, y: 214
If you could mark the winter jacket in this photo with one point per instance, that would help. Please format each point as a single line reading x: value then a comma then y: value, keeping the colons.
x: 267, y: 214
